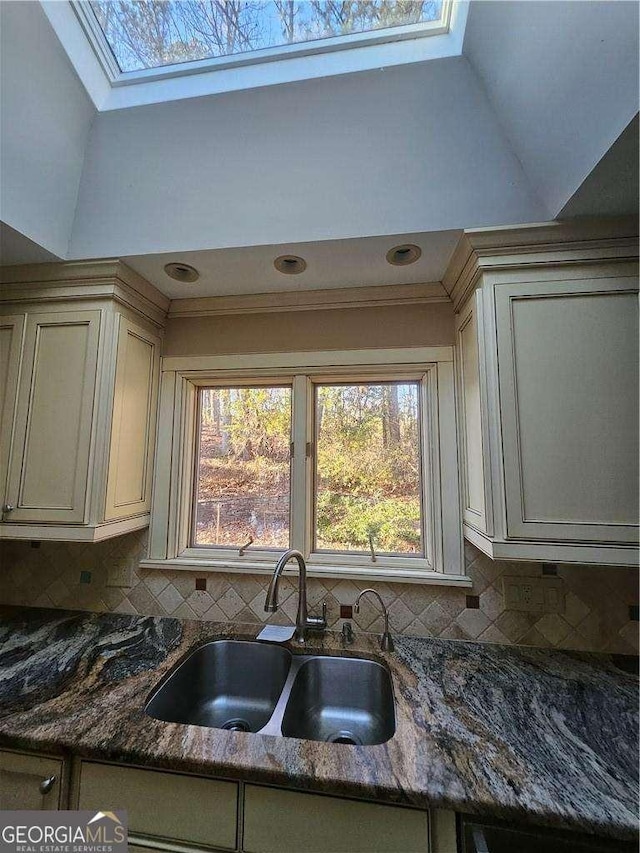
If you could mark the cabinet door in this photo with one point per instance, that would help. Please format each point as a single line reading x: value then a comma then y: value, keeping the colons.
x: 29, y: 782
x: 277, y: 821
x: 48, y: 476
x: 474, y: 444
x: 568, y: 381
x: 187, y: 809
x: 133, y: 422
x: 11, y: 335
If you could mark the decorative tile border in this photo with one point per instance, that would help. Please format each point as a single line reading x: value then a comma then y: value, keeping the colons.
x: 597, y: 614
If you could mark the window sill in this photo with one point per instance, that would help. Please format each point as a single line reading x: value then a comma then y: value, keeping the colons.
x: 378, y: 573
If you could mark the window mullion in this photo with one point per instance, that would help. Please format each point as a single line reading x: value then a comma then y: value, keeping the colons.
x: 299, y: 465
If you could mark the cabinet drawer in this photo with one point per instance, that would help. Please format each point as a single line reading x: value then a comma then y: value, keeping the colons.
x: 277, y: 821
x: 21, y: 777
x: 187, y: 809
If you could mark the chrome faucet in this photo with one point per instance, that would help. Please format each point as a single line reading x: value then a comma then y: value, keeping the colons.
x: 386, y: 640
x: 303, y: 620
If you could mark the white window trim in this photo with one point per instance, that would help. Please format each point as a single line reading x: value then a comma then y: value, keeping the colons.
x: 110, y: 89
x: 107, y: 58
x: 174, y: 469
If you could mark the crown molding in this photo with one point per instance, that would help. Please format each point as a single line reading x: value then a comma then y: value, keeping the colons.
x: 482, y: 249
x: 310, y: 300
x: 73, y: 280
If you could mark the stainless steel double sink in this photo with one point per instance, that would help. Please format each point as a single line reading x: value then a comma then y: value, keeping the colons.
x: 256, y: 687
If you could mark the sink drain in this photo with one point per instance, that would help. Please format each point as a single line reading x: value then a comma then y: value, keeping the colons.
x: 344, y: 737
x: 236, y: 725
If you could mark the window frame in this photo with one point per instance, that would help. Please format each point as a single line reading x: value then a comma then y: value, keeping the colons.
x: 220, y: 551
x: 117, y: 77
x: 174, y: 484
x: 424, y: 378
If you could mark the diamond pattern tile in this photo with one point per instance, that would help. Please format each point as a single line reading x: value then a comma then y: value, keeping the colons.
x: 596, y: 615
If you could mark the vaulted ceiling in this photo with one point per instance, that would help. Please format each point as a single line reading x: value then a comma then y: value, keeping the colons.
x: 535, y: 118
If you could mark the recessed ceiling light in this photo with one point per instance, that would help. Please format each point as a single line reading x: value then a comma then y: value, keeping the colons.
x: 290, y: 264
x: 406, y: 254
x: 181, y: 272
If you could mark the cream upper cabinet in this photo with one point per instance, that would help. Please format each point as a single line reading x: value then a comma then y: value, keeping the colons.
x: 473, y: 444
x: 568, y: 383
x: 78, y: 414
x: 50, y: 455
x: 11, y: 338
x: 547, y: 381
x: 133, y: 422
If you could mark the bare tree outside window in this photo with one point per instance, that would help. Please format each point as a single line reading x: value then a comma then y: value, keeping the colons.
x: 152, y: 33
x: 243, y: 467
x: 368, y: 468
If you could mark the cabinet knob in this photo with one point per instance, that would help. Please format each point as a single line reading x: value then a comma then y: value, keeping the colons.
x: 8, y: 508
x: 47, y: 784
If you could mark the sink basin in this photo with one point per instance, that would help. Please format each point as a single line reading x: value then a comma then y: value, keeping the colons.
x: 340, y: 700
x: 256, y: 687
x: 226, y: 684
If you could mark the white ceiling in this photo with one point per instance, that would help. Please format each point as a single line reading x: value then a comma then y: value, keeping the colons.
x: 563, y: 80
x: 330, y: 264
x: 515, y: 130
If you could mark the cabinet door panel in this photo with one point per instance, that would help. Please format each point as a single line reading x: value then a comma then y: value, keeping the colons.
x: 11, y: 334
x: 476, y: 493
x: 134, y: 421
x: 277, y: 821
x: 20, y: 780
x: 49, y: 470
x: 568, y: 380
x: 186, y: 809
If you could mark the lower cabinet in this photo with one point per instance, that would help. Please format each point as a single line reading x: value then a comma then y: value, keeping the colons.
x: 31, y: 782
x: 196, y: 813
x: 186, y: 813
x: 189, y: 813
x: 278, y: 821
x: 188, y: 810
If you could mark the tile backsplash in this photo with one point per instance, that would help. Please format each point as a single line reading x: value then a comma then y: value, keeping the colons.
x: 599, y: 613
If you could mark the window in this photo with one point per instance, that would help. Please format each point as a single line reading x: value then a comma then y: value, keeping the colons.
x: 367, y: 485
x: 145, y: 34
x: 351, y: 459
x: 242, y: 482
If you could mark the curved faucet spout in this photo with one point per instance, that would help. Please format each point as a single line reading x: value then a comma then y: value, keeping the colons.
x: 303, y: 620
x: 271, y: 602
x: 386, y: 641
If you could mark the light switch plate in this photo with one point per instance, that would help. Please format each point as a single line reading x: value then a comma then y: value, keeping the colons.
x: 535, y: 595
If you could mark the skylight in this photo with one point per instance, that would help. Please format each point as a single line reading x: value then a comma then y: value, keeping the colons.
x: 147, y: 34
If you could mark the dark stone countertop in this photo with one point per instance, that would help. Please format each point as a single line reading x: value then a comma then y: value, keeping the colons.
x: 517, y: 733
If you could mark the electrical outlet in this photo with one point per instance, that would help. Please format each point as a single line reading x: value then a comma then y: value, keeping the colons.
x: 120, y: 575
x: 535, y: 595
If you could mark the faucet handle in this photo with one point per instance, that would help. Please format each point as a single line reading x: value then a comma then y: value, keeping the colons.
x: 318, y: 622
x: 347, y: 634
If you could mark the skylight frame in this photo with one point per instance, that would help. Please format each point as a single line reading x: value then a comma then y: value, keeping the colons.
x: 111, y: 68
